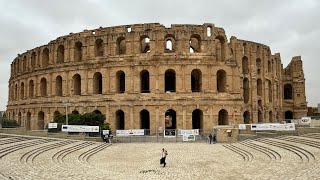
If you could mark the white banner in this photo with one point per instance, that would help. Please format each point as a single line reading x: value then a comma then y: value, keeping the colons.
x: 105, y: 132
x: 130, y: 132
x: 52, y: 125
x: 305, y: 120
x: 79, y: 128
x: 182, y: 132
x: 188, y: 138
x: 273, y: 127
x: 242, y: 126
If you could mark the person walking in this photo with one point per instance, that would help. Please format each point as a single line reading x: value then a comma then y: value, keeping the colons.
x: 210, y: 138
x: 163, y: 158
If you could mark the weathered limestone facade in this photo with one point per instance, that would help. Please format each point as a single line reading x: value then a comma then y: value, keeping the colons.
x: 149, y: 76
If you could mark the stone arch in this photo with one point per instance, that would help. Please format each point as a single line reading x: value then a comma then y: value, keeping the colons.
x: 28, y: 123
x: 56, y: 114
x: 246, y: 90
x: 58, y: 86
x: 288, y: 115
x: 223, y: 117
x: 121, y: 45
x: 287, y: 91
x: 259, y: 87
x: 144, y: 44
x: 221, y: 81
x: 75, y: 111
x: 195, y: 43
x: 77, y: 51
x: 144, y: 81
x: 258, y: 64
x: 16, y: 92
x: 76, y: 84
x: 97, y: 83
x: 22, y: 90
x: 270, y: 117
x: 196, y: 80
x: 43, y: 87
x: 270, y: 90
x: 170, y: 119
x: 121, y: 82
x: 19, y: 119
x: 31, y: 88
x: 246, y: 117
x: 260, y: 117
x: 197, y: 119
x: 98, y: 48
x: 97, y: 111
x: 40, y: 122
x: 145, y: 119
x: 170, y: 43
x: 45, y: 57
x: 120, y: 120
x: 33, y: 60
x: 170, y: 80
x: 220, y: 48
x: 60, y: 54
x: 245, y: 65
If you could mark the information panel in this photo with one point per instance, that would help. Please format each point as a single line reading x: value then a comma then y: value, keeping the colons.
x: 273, y: 127
x: 79, y: 128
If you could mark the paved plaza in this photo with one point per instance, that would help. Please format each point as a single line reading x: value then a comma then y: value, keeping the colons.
x: 286, y: 157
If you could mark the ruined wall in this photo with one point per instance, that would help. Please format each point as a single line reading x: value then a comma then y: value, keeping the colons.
x: 138, y: 74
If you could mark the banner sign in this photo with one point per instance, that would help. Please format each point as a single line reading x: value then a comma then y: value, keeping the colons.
x: 273, y: 127
x: 242, y: 126
x: 52, y: 125
x: 169, y: 133
x: 305, y: 120
x: 130, y: 132
x: 105, y: 132
x: 182, y: 132
x: 79, y: 128
x: 188, y: 138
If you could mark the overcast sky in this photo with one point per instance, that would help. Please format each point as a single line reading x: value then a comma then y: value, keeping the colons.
x: 290, y: 27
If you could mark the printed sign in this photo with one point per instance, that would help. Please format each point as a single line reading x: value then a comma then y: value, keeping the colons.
x: 130, y: 132
x: 188, y: 138
x: 79, y: 128
x: 169, y: 133
x: 52, y: 125
x: 105, y: 132
x: 273, y: 127
x: 242, y: 126
x: 182, y: 132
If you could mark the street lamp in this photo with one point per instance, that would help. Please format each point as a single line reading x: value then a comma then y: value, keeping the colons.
x: 67, y: 103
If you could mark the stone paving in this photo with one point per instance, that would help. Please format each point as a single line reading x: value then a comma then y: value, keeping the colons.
x: 271, y: 158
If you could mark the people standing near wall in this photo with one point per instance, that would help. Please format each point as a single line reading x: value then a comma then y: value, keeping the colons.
x: 163, y: 157
x: 210, y: 138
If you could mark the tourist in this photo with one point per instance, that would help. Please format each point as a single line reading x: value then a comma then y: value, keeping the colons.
x: 163, y: 158
x: 210, y: 138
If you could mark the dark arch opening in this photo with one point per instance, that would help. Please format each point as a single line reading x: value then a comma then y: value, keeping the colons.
x: 58, y: 86
x: 170, y: 119
x: 75, y: 111
x: 43, y: 87
x: 22, y: 90
x: 121, y: 82
x: 270, y: 117
x: 33, y: 60
x: 260, y: 117
x: 76, y: 84
x: 246, y: 117
x: 45, y: 57
x: 31, y: 88
x: 245, y: 65
x: 197, y: 119
x: 120, y: 123
x: 145, y: 120
x: 270, y: 91
x: 258, y: 64
x: 60, y: 55
x: 170, y: 80
x: 98, y: 47
x: 19, y: 119
x: 259, y: 87
x: 78, y: 52
x: 221, y: 81
x: 195, y: 43
x: 288, y: 115
x: 121, y: 46
x: 287, y: 90
x: 144, y: 80
x: 28, y: 123
x: 220, y: 48
x: 40, y: 123
x: 196, y: 80
x: 145, y: 44
x: 223, y: 117
x: 246, y: 90
x: 97, y: 83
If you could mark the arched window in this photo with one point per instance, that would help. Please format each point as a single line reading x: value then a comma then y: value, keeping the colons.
x: 76, y: 84
x: 43, y: 87
x: 145, y: 44
x: 260, y: 117
x: 195, y: 43
x: 245, y: 65
x: 22, y: 90
x: 259, y: 87
x: 40, y: 123
x: 33, y: 60
x: 19, y: 119
x: 98, y: 48
x: 270, y: 117
x: 270, y: 90
x: 28, y: 123
x: 24, y: 64
x: 16, y: 92
x: 78, y: 52
x: 196, y: 80
x: 145, y: 120
x: 97, y: 83
x: 288, y: 115
x: 208, y: 31
x: 221, y: 81
x: 246, y: 117
x: 60, y: 54
x: 197, y: 119
x: 220, y: 48
x: 31, y: 88
x: 287, y: 90
x: 170, y: 119
x: 58, y: 86
x: 223, y: 117
x: 120, y: 122
x: 246, y: 90
x: 170, y: 80
x: 45, y: 57
x: 121, y: 82
x: 258, y: 64
x: 56, y: 114
x: 168, y: 46
x: 144, y: 80
x: 121, y: 46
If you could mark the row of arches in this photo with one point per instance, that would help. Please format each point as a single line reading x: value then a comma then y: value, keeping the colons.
x: 246, y: 89
x: 97, y: 83
x: 246, y: 69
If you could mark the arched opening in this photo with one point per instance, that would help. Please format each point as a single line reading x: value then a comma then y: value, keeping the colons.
x: 56, y: 114
x: 260, y: 117
x: 97, y: 83
x: 33, y: 60
x: 98, y: 48
x: 270, y: 91
x: 19, y: 119
x: 145, y: 44
x: 45, y: 57
x: 170, y: 80
x: 121, y: 45
x: 208, y: 31
x: 246, y: 90
x: 269, y: 67
x: 196, y: 80
x: 22, y: 90
x: 288, y: 115
x: 220, y: 48
x: 258, y: 64
x: 13, y: 116
x: 75, y: 111
x: 28, y: 123
x: 197, y: 119
x: 221, y: 81
x: 259, y: 87
x: 144, y: 80
x: 121, y: 82
x: 245, y: 65
x: 60, y: 54
x: 58, y: 86
x: 145, y: 120
x: 40, y: 123
x: 287, y: 91
x: 223, y: 117
x: 16, y: 92
x: 170, y: 119
x: 76, y: 84
x: 246, y: 117
x: 169, y: 40
x: 195, y: 43
x: 270, y: 117
x: 78, y: 52
x: 31, y: 88
x: 24, y: 64
x: 43, y: 87
x: 120, y: 123
x: 168, y: 45
x: 97, y: 111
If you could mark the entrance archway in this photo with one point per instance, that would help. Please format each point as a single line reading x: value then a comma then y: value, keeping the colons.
x: 40, y: 124
x: 170, y: 119
x: 197, y: 119
x: 246, y: 117
x: 288, y: 115
x: 223, y: 117
x: 145, y: 120
x: 120, y: 124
